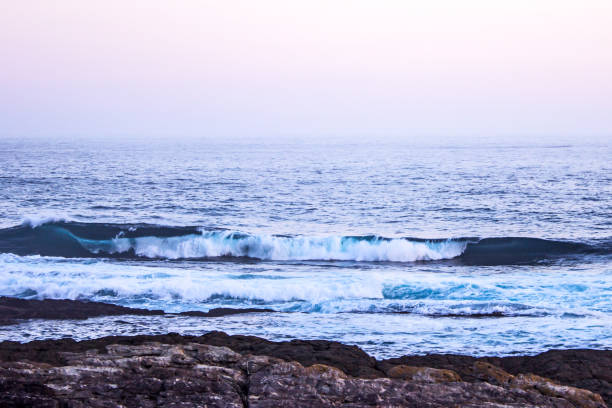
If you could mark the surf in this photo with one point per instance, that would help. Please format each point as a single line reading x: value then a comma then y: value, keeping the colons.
x: 143, y: 241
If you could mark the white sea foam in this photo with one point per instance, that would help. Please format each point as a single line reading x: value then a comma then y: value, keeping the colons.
x: 76, y: 281
x: 36, y: 220
x: 292, y: 288
x: 270, y: 247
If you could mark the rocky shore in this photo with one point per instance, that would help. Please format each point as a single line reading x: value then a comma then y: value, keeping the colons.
x: 13, y: 310
x: 218, y: 370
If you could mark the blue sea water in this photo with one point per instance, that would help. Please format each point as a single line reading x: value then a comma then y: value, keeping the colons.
x: 399, y: 247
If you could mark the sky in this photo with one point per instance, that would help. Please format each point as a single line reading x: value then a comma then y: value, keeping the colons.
x: 279, y: 68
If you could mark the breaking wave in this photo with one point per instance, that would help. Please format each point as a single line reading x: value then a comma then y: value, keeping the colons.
x: 140, y: 241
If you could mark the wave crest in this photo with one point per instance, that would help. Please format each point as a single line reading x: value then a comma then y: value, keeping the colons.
x: 88, y: 240
x: 211, y: 244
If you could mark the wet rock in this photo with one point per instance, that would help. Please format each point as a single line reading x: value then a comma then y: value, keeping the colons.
x: 224, y: 311
x: 425, y: 374
x: 580, y: 368
x: 292, y: 385
x: 579, y: 397
x: 147, y: 375
x: 350, y: 359
x: 14, y: 309
x: 491, y: 373
x: 588, y: 369
x: 192, y: 374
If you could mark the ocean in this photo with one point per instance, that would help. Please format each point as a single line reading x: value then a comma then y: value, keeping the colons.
x: 398, y: 247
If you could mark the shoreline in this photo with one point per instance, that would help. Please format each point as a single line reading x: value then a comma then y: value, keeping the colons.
x: 16, y: 310
x: 435, y: 376
x: 251, y: 371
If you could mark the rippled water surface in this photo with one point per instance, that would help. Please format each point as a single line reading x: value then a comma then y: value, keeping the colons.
x: 400, y: 248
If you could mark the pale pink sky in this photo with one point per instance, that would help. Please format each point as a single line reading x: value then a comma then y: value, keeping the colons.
x: 278, y: 67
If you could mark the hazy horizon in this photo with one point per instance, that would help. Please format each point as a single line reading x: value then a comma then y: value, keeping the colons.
x: 288, y: 70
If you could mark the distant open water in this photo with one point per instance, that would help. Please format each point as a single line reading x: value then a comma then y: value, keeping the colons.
x: 396, y: 247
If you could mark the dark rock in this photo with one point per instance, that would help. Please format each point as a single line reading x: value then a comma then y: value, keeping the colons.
x: 546, y: 373
x: 582, y: 368
x: 13, y: 309
x: 292, y: 385
x: 350, y: 359
x: 588, y: 369
x: 224, y: 311
x: 469, y: 316
x: 133, y: 376
x: 427, y: 374
x: 151, y: 374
